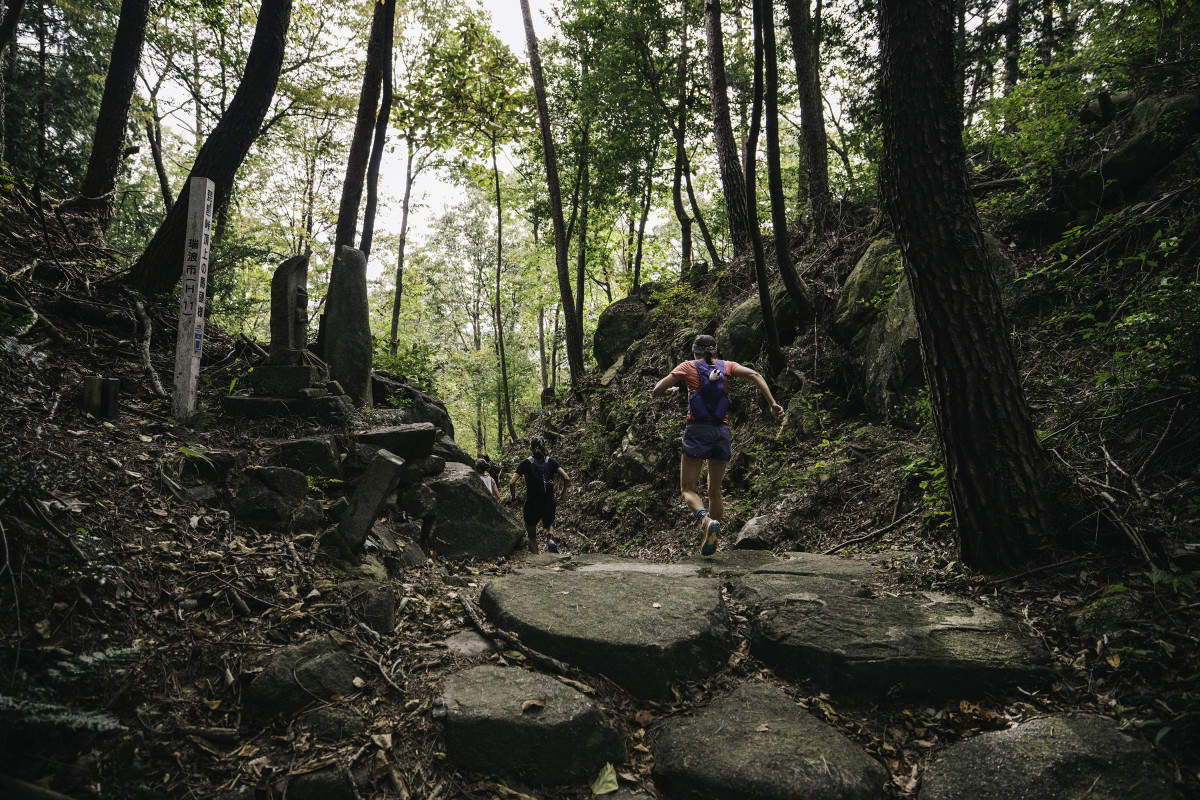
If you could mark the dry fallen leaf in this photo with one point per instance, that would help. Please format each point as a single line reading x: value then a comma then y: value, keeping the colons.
x: 532, y: 705
x: 762, y: 728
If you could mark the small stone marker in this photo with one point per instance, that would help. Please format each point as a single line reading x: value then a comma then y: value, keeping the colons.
x: 190, y: 342
x: 289, y: 311
x: 100, y: 396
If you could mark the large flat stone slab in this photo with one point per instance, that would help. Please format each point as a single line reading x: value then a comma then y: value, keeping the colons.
x: 757, y: 744
x: 644, y: 630
x: 922, y: 644
x: 1052, y: 758
x: 410, y: 442
x: 510, y: 721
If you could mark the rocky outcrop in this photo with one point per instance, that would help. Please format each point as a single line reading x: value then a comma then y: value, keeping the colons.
x: 875, y: 316
x: 757, y: 744
x: 743, y: 333
x: 1155, y: 132
x: 512, y: 722
x: 622, y: 324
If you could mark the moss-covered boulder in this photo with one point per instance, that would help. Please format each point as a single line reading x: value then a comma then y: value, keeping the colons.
x: 1155, y: 133
x: 622, y: 324
x: 742, y: 335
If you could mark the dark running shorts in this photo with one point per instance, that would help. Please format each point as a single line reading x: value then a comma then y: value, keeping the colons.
x: 706, y: 440
x: 539, y: 511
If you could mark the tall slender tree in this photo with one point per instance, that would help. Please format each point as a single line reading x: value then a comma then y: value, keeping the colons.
x: 750, y: 157
x: 573, y: 329
x: 364, y: 125
x: 779, y: 218
x: 8, y: 29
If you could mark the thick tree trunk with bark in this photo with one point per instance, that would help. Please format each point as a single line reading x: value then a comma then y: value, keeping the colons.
x: 381, y: 126
x: 732, y: 180
x: 574, y: 330
x: 160, y: 265
x: 806, y: 54
x: 774, y: 354
x: 1001, y: 481
x: 364, y: 124
x: 99, y: 189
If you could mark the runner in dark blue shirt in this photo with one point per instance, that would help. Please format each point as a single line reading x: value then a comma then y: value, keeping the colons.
x: 539, y: 471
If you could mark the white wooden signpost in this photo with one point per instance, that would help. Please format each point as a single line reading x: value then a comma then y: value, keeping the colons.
x: 190, y: 343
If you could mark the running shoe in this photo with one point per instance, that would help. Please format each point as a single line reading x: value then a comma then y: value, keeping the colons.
x: 711, y: 529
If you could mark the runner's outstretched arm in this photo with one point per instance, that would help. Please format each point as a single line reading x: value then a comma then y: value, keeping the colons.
x: 668, y: 385
x: 512, y: 487
x: 776, y: 409
x: 566, y: 484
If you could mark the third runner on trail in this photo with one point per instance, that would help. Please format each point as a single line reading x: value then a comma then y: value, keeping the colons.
x: 706, y: 437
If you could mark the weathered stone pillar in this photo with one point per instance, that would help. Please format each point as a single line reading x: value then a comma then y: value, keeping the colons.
x: 289, y: 311
x: 348, y: 346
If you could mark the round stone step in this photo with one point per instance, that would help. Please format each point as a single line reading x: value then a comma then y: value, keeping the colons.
x: 757, y: 744
x: 513, y: 722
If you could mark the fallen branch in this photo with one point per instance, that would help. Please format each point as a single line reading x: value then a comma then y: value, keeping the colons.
x: 492, y: 634
x: 254, y: 346
x: 147, y: 327
x: 869, y: 536
x: 1157, y: 445
x: 50, y: 526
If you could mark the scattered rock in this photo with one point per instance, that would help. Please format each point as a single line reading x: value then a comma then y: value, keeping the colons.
x: 313, y: 671
x: 846, y: 640
x: 1051, y: 758
x: 757, y: 744
x: 270, y: 497
x: 754, y: 535
x: 514, y: 722
x: 469, y: 523
x: 379, y: 481
x: 409, y: 442
x: 317, y: 456
x: 334, y: 724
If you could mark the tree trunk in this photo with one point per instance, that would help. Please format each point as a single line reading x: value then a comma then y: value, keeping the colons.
x: 779, y: 216
x: 542, y: 345
x: 574, y: 330
x: 641, y: 231
x: 364, y: 123
x: 680, y: 130
x: 409, y: 177
x: 381, y: 125
x: 806, y: 54
x: 8, y: 31
x: 774, y: 354
x: 499, y: 318
x: 154, y: 137
x: 727, y: 151
x: 108, y: 141
x: 1000, y: 479
x: 1012, y: 45
x: 159, y: 267
x: 585, y: 190
x: 1046, y: 39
